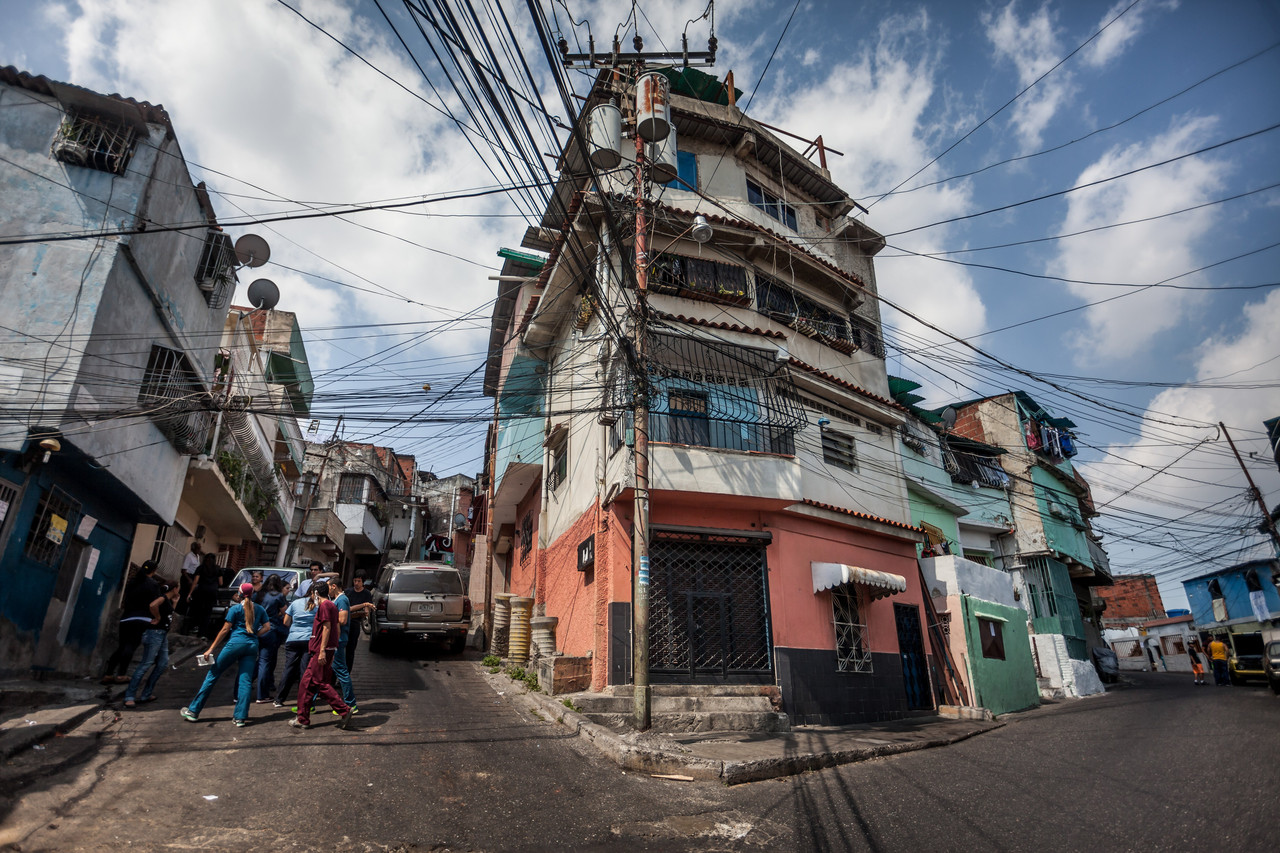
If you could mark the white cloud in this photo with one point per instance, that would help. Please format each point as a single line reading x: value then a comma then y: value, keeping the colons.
x: 1244, y: 353
x: 873, y: 108
x: 1117, y: 37
x: 1033, y: 47
x: 1145, y: 253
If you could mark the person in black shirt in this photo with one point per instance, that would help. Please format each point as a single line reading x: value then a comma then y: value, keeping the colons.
x: 361, y: 599
x: 134, y: 617
x: 204, y: 595
x: 155, y: 647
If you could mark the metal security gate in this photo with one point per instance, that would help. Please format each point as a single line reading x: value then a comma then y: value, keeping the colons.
x: 708, y: 608
x: 915, y: 675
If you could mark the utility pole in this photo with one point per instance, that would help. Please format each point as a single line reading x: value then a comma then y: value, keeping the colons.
x: 1257, y: 495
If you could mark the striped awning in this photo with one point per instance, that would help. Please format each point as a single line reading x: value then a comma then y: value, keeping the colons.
x: 879, y: 584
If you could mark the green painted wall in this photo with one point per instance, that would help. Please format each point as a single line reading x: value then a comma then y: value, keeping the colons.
x: 1064, y: 535
x: 1001, y: 685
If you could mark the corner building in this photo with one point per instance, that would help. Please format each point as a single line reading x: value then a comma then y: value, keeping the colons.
x: 782, y: 551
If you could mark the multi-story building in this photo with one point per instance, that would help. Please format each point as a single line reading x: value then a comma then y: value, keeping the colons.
x: 782, y: 550
x: 116, y: 304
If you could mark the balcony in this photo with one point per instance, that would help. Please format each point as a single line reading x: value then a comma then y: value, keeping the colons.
x: 217, y: 502
x: 363, y: 531
x: 324, y: 528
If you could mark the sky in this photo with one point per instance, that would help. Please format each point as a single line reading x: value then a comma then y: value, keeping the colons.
x: 1087, y: 193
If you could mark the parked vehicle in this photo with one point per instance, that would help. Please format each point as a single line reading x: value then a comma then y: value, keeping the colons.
x: 1107, y: 665
x: 1245, y: 659
x: 419, y: 601
x: 291, y: 577
x: 1271, y: 665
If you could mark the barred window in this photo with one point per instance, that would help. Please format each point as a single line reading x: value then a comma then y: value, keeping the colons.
x: 689, y: 424
x: 558, y: 470
x: 94, y: 142
x: 214, y: 272
x: 173, y: 397
x: 867, y: 337
x: 698, y: 278
x: 51, y: 527
x: 526, y: 534
x: 351, y: 489
x: 838, y: 450
x: 852, y: 654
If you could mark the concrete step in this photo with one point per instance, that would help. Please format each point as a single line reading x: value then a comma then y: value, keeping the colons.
x: 601, y: 703
x: 699, y: 721
x: 694, y: 689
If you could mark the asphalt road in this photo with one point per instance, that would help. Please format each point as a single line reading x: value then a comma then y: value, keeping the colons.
x: 438, y: 761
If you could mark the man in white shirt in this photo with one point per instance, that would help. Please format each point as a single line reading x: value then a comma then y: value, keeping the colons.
x: 305, y: 587
x: 190, y: 563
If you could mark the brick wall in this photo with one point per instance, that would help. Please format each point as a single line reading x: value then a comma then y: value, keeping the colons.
x: 969, y: 425
x: 1131, y: 599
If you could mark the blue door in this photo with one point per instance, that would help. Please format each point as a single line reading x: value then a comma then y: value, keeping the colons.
x: 915, y: 675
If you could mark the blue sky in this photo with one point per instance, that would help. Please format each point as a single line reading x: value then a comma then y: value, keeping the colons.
x: 267, y: 105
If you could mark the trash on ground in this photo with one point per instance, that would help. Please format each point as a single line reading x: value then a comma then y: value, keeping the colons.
x: 37, y: 746
x: 672, y: 776
x: 211, y: 796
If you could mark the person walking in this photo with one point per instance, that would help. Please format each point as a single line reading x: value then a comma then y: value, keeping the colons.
x: 1218, y: 657
x: 135, y: 618
x: 155, y: 648
x: 341, y: 674
x: 318, y: 679
x: 187, y: 579
x: 203, y: 595
x: 361, y: 600
x: 241, y: 630
x: 298, y: 618
x: 1197, y: 661
x: 271, y: 597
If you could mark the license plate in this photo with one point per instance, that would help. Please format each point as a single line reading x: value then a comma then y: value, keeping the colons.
x: 427, y: 607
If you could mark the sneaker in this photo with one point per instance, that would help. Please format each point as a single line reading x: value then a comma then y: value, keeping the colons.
x: 354, y: 711
x: 295, y: 723
x: 278, y: 704
x: 241, y: 723
x: 262, y: 701
x: 346, y: 718
x: 188, y: 716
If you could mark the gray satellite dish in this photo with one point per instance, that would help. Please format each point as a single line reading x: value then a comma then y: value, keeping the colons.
x: 252, y: 250
x: 460, y: 520
x: 263, y: 294
x: 949, y: 418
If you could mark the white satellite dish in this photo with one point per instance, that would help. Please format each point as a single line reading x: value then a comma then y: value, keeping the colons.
x: 263, y: 294
x: 252, y: 251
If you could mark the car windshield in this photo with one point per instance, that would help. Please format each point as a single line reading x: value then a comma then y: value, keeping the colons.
x: 288, y: 576
x: 1273, y: 649
x: 446, y: 582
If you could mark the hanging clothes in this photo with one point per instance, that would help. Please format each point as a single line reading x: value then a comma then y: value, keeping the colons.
x: 1068, y: 444
x: 1034, y: 441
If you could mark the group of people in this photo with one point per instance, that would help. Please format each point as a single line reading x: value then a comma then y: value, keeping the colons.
x: 1216, y: 653
x: 319, y: 630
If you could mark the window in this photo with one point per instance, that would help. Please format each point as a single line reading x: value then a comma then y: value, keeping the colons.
x: 306, y: 485
x: 686, y: 171
x: 214, y: 272
x: 852, y: 654
x: 51, y: 527
x: 526, y: 534
x: 992, y: 634
x: 773, y: 206
x: 838, y: 450
x: 805, y: 315
x: 558, y: 469
x: 94, y: 142
x: 969, y: 468
x: 689, y: 424
x: 351, y: 489
x: 1173, y: 646
x: 984, y: 558
x: 867, y: 337
x: 698, y: 278
x: 173, y: 397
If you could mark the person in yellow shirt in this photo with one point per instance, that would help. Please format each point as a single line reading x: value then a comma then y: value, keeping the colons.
x: 1218, y: 657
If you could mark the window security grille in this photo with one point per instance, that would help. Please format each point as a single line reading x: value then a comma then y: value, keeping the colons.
x: 558, y: 471
x: 698, y: 278
x: 969, y: 468
x: 52, y: 527
x: 94, y: 142
x: 715, y: 394
x: 839, y: 450
x: 867, y: 337
x: 351, y: 489
x: 852, y: 654
x: 214, y: 272
x: 526, y: 535
x: 773, y: 206
x: 174, y: 399
x: 805, y: 315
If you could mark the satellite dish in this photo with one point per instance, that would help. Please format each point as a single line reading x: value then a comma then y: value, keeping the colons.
x: 949, y: 418
x: 263, y: 293
x: 460, y: 520
x: 252, y: 251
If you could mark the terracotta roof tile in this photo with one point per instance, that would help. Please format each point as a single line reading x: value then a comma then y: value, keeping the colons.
x: 848, y: 385
x: 728, y: 327
x: 864, y: 515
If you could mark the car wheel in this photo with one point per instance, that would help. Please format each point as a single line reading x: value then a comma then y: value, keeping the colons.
x: 377, y: 644
x: 457, y: 644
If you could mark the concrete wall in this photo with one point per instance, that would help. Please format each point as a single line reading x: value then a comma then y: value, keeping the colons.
x: 951, y: 575
x: 1000, y: 685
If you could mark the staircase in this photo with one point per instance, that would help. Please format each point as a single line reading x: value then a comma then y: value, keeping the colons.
x: 688, y: 708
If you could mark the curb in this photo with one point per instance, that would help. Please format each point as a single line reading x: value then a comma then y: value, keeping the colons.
x: 41, y: 725
x: 631, y: 751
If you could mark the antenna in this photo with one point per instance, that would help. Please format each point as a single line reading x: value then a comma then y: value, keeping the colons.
x: 252, y: 251
x: 263, y: 293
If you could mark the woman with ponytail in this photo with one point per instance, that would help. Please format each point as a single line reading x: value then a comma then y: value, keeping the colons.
x: 241, y: 630
x: 297, y: 619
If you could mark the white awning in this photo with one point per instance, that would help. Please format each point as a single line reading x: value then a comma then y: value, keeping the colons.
x: 880, y: 584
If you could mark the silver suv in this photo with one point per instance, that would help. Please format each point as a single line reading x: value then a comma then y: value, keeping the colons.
x: 419, y: 601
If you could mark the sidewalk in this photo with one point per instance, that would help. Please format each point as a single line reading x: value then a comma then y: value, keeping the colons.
x: 736, y: 757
